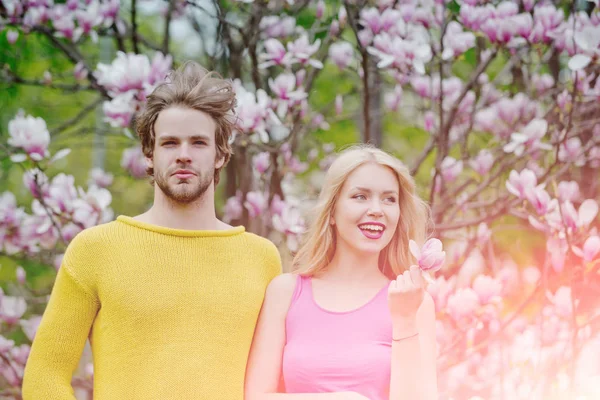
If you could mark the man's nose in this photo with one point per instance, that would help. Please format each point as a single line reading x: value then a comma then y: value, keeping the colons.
x: 184, y: 156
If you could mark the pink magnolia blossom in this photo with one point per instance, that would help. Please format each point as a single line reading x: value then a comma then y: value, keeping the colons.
x: 519, y: 183
x: 30, y: 326
x: 6, y: 345
x: 440, y: 290
x: 30, y: 134
x: 65, y: 27
x: 456, y: 41
x: 462, y: 305
x: 429, y: 121
x: 92, y: 207
x: 451, y: 168
x: 320, y: 10
x: 563, y: 100
x: 590, y: 250
x: 12, y: 309
x: 574, y: 219
x: 557, y: 250
x: 487, y: 288
x: 588, y: 44
x: 529, y: 139
x: 100, y: 178
x: 36, y: 182
x: 531, y: 275
x: 571, y: 152
x: 80, y: 72
x: 256, y: 203
x: 483, y: 162
x: 284, y: 88
x: 540, y: 200
x: 12, y: 36
x: 393, y: 99
x: 133, y: 72
x: 561, y: 300
x: 342, y: 54
x: 289, y: 222
x: 339, y: 104
x: 508, y: 276
x: 276, y: 54
x: 273, y: 26
x: 404, y: 55
x: 233, y: 208
x: 120, y: 110
x: 431, y: 256
x: 252, y: 111
x: 261, y: 162
x: 483, y: 234
x: 568, y: 191
x: 542, y: 82
x: 342, y: 16
x: 134, y: 161
x: 21, y: 275
x: 302, y: 51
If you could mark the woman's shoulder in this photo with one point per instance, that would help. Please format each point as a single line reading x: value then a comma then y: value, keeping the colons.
x: 280, y: 292
x: 282, y: 286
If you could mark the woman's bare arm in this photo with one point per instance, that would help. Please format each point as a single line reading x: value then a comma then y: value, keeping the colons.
x: 413, y: 373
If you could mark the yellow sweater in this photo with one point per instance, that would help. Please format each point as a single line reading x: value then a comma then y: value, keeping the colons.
x: 170, y: 313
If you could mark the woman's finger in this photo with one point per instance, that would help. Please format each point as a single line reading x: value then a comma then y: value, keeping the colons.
x: 417, y: 276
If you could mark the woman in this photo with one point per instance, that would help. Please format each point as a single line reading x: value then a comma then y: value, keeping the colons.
x: 352, y: 321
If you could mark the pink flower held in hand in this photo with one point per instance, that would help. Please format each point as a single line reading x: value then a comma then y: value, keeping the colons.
x: 431, y: 256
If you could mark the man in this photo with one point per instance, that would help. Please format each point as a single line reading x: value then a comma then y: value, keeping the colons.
x: 170, y: 298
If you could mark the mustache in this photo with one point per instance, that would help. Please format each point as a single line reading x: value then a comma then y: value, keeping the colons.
x: 172, y: 170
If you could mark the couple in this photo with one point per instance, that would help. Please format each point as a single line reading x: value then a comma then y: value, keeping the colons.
x: 179, y: 305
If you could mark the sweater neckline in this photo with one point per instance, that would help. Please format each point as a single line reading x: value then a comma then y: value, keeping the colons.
x: 236, y: 230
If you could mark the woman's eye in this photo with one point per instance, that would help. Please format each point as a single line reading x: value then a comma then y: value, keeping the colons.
x: 360, y: 197
x: 199, y: 142
x: 391, y: 199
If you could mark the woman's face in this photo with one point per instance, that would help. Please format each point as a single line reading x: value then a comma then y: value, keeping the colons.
x: 367, y: 209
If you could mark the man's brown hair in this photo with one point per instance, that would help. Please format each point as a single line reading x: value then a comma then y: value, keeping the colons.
x: 194, y: 87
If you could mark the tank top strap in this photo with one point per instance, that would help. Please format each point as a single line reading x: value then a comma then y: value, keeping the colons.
x: 301, y: 282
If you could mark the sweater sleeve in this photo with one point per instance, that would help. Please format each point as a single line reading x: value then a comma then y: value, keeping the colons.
x: 60, y: 339
x: 273, y: 261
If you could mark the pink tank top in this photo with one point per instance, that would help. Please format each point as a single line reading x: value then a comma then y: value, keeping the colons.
x: 328, y: 351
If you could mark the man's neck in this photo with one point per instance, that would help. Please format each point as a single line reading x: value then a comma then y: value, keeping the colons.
x: 198, y: 215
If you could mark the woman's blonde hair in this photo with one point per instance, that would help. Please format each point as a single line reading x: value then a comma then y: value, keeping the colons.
x: 320, y: 243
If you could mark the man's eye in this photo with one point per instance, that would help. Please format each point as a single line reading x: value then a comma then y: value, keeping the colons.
x: 169, y: 143
x: 200, y: 142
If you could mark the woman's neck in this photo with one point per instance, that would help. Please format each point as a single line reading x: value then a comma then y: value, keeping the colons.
x: 349, y: 265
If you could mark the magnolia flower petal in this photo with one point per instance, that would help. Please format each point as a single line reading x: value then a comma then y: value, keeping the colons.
x: 414, y: 249
x: 587, y: 212
x: 579, y: 61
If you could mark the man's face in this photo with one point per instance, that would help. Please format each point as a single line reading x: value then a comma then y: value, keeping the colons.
x: 184, y: 159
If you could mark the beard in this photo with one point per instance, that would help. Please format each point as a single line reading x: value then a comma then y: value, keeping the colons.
x: 184, y: 191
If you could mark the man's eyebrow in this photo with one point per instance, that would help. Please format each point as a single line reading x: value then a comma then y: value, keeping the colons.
x: 194, y: 137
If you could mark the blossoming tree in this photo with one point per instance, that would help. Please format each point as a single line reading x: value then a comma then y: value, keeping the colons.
x: 492, y: 104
